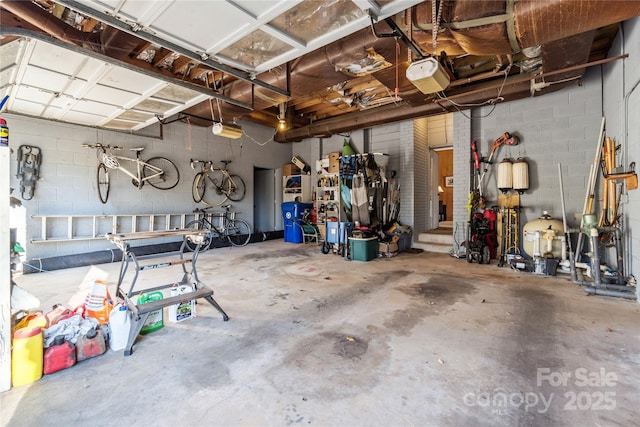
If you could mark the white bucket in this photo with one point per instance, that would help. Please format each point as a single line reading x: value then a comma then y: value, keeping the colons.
x: 183, y: 310
x: 119, y: 327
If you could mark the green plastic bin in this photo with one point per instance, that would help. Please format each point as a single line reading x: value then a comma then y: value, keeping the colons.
x: 363, y: 249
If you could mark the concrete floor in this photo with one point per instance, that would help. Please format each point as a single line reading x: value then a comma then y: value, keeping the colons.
x: 419, y: 339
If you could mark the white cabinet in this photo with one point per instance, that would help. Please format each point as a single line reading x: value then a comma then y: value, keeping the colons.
x: 296, y: 188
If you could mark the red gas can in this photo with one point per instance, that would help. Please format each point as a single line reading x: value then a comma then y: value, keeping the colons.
x: 90, y: 345
x: 58, y: 313
x: 60, y: 355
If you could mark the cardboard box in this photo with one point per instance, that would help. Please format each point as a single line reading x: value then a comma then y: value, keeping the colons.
x: 290, y: 169
x: 334, y: 162
x: 298, y: 162
x: 388, y: 249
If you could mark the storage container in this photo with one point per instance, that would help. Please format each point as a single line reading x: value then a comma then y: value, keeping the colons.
x: 58, y: 313
x: 60, y: 355
x: 364, y: 249
x: 98, y: 303
x: 32, y: 320
x: 26, y: 359
x: 290, y: 212
x: 183, y: 310
x: 334, y: 162
x: 119, y: 327
x: 155, y: 320
x: 90, y: 345
x: 332, y: 231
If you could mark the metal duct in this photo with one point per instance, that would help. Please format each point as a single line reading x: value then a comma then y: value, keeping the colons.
x: 110, y: 41
x: 540, y: 22
x: 501, y: 27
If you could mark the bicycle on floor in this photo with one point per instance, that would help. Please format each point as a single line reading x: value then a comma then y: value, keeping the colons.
x: 237, y: 231
x: 159, y: 172
x: 215, y: 185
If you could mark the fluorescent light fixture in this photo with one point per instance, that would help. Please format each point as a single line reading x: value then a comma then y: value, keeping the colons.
x: 428, y: 76
x: 226, y: 130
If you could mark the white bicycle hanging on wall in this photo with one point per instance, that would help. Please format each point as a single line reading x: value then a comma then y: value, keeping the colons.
x: 159, y: 172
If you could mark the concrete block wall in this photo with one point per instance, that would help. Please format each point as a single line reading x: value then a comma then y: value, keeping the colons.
x: 396, y: 139
x: 422, y: 167
x: 461, y: 159
x: 560, y: 127
x: 68, y: 174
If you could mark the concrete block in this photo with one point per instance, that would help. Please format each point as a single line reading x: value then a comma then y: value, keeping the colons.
x: 575, y: 109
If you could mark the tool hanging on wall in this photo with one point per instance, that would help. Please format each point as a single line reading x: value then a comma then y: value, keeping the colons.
x: 475, y: 195
x: 29, y: 161
x: 613, y: 181
x: 507, y: 139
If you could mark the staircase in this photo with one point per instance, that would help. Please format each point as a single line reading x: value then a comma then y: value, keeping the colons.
x: 438, y: 240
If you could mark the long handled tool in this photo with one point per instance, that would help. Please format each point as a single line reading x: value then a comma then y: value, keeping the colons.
x: 505, y: 138
x: 591, y: 188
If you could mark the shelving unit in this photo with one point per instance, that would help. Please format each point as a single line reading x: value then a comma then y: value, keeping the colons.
x: 327, y: 197
x: 296, y: 188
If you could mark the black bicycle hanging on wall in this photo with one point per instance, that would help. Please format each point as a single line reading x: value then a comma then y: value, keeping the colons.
x: 159, y: 172
x: 213, y: 186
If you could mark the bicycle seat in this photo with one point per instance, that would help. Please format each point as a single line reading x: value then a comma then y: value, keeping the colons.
x: 137, y: 149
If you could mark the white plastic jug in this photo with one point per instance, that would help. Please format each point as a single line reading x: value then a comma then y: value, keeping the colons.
x: 185, y: 309
x: 119, y: 327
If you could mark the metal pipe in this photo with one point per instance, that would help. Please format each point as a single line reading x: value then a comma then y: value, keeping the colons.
x: 622, y: 288
x: 595, y: 256
x: 514, y: 84
x: 618, y: 241
x: 595, y: 291
x: 48, y: 23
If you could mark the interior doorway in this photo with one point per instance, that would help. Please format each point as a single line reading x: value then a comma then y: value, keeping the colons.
x: 445, y: 185
x: 264, y: 200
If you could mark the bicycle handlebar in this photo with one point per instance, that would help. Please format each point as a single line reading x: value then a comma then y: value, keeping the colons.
x: 196, y: 210
x: 204, y: 163
x: 209, y: 163
x: 104, y: 147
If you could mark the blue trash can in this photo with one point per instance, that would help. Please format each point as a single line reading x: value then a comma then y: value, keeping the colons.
x: 291, y: 211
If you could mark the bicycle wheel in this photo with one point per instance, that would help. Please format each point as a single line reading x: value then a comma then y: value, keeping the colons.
x: 104, y: 185
x: 199, y: 224
x: 216, y: 188
x: 236, y: 186
x: 169, y: 177
x: 197, y: 188
x: 238, y: 232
